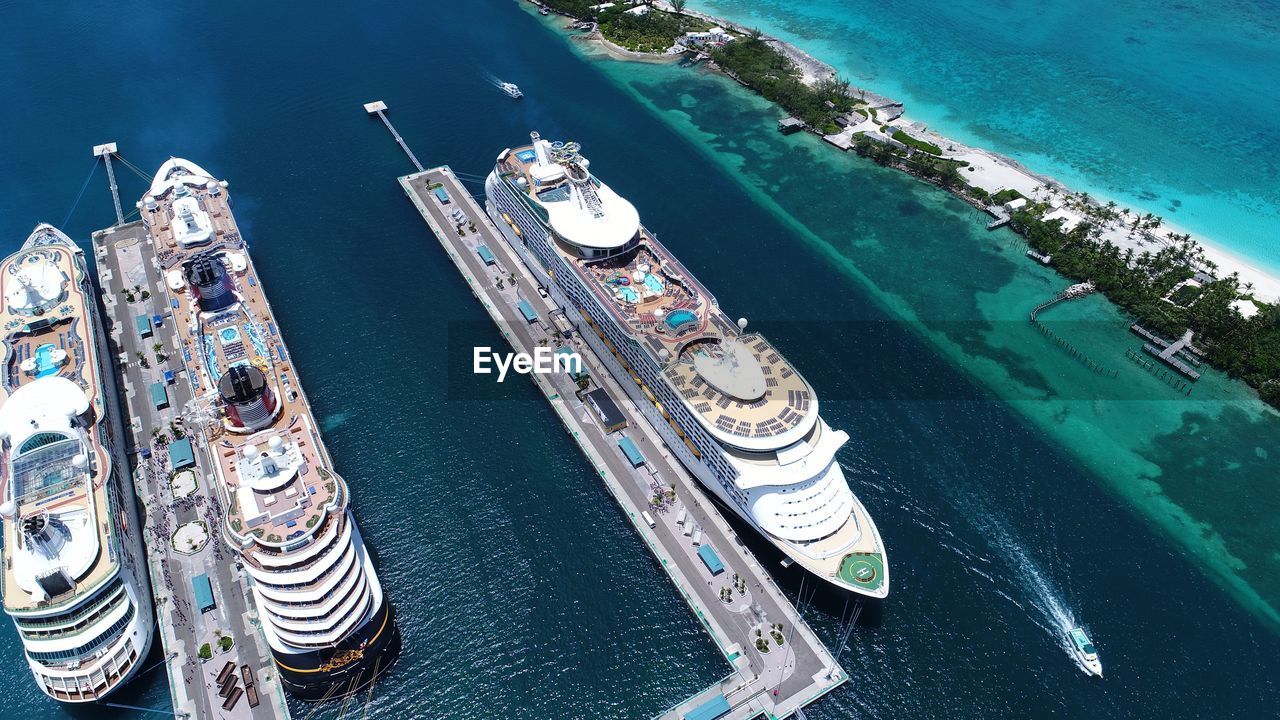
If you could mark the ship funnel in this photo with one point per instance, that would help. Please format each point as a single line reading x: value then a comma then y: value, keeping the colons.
x: 249, y: 401
x: 209, y: 283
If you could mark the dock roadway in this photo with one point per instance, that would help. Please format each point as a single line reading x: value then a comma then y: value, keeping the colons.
x: 126, y: 264
x: 775, y: 684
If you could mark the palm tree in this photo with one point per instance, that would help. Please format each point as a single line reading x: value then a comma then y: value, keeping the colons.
x: 755, y: 34
x: 677, y: 6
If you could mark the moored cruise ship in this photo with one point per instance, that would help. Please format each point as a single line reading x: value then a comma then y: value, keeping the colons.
x: 75, y: 578
x: 329, y: 625
x: 726, y: 402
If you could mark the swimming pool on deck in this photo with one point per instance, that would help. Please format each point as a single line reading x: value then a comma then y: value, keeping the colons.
x: 44, y: 360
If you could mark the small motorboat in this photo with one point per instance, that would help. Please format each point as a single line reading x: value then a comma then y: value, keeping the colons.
x: 1084, y: 651
x: 512, y: 90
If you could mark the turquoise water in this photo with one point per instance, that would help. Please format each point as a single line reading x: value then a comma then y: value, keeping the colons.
x: 653, y: 283
x: 678, y: 318
x: 1169, y: 107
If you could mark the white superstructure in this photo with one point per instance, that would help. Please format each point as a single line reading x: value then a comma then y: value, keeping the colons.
x: 726, y: 402
x: 74, y: 575
x: 288, y: 515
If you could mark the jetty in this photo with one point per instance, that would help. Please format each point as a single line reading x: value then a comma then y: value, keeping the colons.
x: 691, y: 541
x: 200, y: 595
x: 1168, y: 352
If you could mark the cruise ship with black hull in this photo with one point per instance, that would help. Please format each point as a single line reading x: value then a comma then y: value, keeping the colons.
x: 726, y: 402
x: 75, y: 574
x: 329, y: 625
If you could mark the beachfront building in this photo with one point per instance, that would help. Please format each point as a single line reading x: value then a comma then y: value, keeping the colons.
x: 715, y: 37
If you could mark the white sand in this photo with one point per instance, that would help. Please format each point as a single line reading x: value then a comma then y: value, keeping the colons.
x: 993, y: 173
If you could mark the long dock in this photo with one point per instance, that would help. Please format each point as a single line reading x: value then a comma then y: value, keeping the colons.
x: 773, y: 684
x: 176, y: 486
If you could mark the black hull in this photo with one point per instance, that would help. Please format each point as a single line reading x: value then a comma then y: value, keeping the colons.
x: 352, y: 666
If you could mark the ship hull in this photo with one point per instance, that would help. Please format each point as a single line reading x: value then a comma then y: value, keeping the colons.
x: 699, y: 470
x: 350, y: 667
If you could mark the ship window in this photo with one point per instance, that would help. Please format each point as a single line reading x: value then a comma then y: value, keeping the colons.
x: 40, y: 439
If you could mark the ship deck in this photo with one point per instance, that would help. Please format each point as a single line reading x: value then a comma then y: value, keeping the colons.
x: 247, y: 333
x: 677, y: 319
x: 65, y: 326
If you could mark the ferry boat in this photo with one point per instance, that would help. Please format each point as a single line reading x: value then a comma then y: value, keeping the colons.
x: 326, y: 619
x: 512, y: 90
x: 726, y: 402
x: 75, y: 575
x: 1084, y: 651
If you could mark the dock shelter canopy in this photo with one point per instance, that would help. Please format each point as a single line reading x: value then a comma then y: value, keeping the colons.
x: 527, y: 311
x: 485, y: 255
x: 159, y: 395
x: 716, y: 707
x: 204, y: 592
x: 631, y: 451
x: 710, y: 559
x: 144, y: 325
x: 180, y: 455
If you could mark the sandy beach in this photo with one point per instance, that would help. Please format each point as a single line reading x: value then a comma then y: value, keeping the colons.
x: 988, y: 170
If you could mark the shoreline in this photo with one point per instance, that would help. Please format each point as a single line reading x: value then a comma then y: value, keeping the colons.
x: 991, y: 171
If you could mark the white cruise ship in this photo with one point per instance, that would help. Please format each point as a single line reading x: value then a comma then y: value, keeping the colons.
x: 727, y: 403
x: 329, y: 625
x: 75, y: 578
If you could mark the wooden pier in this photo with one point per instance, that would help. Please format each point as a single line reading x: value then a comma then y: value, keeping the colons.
x: 1166, y: 351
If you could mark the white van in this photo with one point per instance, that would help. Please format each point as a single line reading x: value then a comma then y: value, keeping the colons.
x: 648, y: 518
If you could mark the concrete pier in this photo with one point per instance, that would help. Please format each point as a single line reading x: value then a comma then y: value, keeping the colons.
x: 181, y: 511
x: 774, y: 684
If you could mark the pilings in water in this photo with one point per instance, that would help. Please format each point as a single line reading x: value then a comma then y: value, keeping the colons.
x: 1168, y: 378
x: 1075, y: 291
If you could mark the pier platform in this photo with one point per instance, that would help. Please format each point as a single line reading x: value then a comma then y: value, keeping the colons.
x: 773, y: 684
x: 182, y: 515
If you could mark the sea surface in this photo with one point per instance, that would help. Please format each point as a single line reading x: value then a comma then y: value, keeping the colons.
x: 1017, y: 491
x: 1166, y: 106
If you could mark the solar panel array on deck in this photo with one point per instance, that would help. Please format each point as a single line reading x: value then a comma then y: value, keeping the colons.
x: 709, y: 710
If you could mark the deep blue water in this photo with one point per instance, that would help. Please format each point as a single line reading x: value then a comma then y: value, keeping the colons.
x: 520, y: 590
x: 1166, y: 106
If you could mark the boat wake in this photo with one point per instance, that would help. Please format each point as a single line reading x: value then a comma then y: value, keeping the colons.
x: 1024, y: 583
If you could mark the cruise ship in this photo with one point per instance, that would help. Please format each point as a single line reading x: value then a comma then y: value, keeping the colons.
x: 329, y: 625
x: 727, y: 403
x: 75, y: 574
